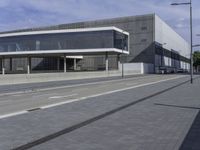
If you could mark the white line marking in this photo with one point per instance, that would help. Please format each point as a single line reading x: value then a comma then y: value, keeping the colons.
x: 83, y: 98
x: 105, y: 93
x: 13, y: 114
x: 65, y: 96
x: 16, y: 93
x: 93, y: 83
x: 58, y: 104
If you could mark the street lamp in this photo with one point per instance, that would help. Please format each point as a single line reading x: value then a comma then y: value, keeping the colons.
x: 122, y: 54
x: 191, y: 36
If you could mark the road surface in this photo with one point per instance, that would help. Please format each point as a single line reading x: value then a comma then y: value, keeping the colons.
x: 153, y: 112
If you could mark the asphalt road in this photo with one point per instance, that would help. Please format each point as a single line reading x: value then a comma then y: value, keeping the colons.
x: 140, y: 113
x: 51, y: 96
x: 29, y: 87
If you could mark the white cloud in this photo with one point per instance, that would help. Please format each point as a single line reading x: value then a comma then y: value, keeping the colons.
x: 179, y: 25
x: 30, y: 13
x: 181, y: 19
x: 4, y: 3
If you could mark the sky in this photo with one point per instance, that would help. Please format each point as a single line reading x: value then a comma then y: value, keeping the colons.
x: 19, y: 14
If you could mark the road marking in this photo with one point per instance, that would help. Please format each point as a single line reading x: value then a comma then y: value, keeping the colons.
x: 13, y: 114
x: 33, y: 109
x: 16, y: 93
x: 65, y: 96
x: 105, y: 93
x: 93, y: 83
x: 58, y: 104
x: 91, y: 96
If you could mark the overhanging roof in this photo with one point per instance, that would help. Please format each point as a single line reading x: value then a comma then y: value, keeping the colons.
x: 63, y: 31
x: 67, y: 52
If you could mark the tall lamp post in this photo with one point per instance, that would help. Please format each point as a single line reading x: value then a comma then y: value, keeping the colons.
x: 122, y: 54
x: 191, y: 36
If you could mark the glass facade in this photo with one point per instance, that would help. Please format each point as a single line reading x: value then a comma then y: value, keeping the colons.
x: 64, y: 41
x: 169, y: 60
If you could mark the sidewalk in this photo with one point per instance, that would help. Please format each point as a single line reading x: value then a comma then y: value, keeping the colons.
x: 158, y: 123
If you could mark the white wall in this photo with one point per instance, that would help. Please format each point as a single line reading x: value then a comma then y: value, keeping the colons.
x: 165, y: 34
x: 139, y: 68
x: 147, y: 68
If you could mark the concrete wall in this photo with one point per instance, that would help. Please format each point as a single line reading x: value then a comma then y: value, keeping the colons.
x: 147, y: 68
x: 165, y: 34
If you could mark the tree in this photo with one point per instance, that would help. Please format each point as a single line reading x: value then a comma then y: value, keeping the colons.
x: 196, y: 58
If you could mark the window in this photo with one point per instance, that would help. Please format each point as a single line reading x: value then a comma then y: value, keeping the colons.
x: 120, y: 41
x: 72, y: 40
x: 37, y: 45
x: 143, y: 28
x: 143, y: 40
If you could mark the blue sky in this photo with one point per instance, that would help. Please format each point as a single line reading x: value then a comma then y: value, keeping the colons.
x: 16, y: 14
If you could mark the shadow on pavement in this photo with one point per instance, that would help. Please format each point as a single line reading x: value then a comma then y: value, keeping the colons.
x: 192, y: 139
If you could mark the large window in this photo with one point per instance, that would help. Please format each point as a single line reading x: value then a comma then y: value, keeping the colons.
x: 59, y: 41
x: 120, y: 41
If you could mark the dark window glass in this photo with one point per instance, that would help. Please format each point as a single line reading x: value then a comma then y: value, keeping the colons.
x: 143, y: 40
x: 143, y: 28
x: 59, y: 41
x: 120, y: 41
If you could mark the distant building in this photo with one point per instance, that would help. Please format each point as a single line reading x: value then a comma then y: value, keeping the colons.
x: 91, y: 45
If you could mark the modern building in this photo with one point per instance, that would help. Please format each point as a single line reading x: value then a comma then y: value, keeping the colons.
x: 53, y: 50
x: 95, y: 45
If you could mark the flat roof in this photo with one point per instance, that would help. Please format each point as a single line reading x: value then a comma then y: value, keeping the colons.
x: 63, y: 31
x: 69, y: 52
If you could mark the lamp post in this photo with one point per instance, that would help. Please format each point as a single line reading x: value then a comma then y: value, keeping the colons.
x: 191, y: 38
x: 122, y: 54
